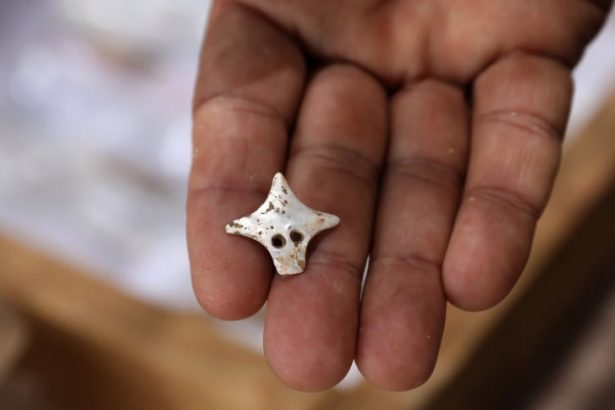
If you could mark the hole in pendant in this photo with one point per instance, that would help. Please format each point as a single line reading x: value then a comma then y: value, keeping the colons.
x: 296, y: 237
x: 278, y: 241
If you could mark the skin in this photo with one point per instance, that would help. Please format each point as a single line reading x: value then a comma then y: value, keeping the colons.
x: 432, y: 128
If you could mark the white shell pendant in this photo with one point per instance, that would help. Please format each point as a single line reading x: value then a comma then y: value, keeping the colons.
x: 283, y: 225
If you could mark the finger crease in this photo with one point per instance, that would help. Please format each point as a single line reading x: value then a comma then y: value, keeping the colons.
x: 426, y: 169
x: 240, y: 103
x: 337, y: 158
x: 505, y: 198
x: 526, y: 122
x: 332, y: 260
x: 413, y: 261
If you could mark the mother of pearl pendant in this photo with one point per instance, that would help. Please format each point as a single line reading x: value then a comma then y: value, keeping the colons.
x: 284, y: 226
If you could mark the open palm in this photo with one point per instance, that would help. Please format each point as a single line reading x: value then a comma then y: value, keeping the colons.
x: 431, y: 127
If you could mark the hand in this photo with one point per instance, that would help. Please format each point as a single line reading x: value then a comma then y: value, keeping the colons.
x: 363, y: 105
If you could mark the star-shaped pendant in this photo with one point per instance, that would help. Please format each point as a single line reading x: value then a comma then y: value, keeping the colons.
x: 283, y: 225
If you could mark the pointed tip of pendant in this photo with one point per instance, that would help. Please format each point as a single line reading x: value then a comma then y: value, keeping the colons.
x: 280, y: 185
x: 279, y: 180
x: 332, y: 221
x: 230, y: 229
x: 238, y: 226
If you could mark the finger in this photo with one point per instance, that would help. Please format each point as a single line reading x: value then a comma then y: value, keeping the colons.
x: 403, y: 307
x: 311, y: 323
x: 520, y: 111
x: 250, y: 81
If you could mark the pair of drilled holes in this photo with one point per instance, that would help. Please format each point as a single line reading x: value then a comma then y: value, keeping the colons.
x: 278, y: 240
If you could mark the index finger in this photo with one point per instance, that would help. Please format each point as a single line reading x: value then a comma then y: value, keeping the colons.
x: 250, y: 81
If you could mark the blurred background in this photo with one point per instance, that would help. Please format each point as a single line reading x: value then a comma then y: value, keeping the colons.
x: 95, y: 148
x: 95, y: 134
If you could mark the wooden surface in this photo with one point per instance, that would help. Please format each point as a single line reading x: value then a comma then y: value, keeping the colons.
x: 570, y: 264
x: 584, y: 185
x: 97, y: 348
x: 575, y: 242
x: 541, y: 324
x: 13, y: 338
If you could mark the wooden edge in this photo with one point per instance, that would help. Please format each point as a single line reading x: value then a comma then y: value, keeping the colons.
x: 586, y: 177
x: 95, y: 347
x: 13, y: 339
x: 504, y: 368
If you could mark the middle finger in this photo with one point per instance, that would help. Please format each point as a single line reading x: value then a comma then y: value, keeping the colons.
x: 336, y: 152
x: 403, y: 302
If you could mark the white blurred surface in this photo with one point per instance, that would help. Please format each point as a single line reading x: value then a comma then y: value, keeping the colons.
x: 95, y: 134
x: 594, y: 77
